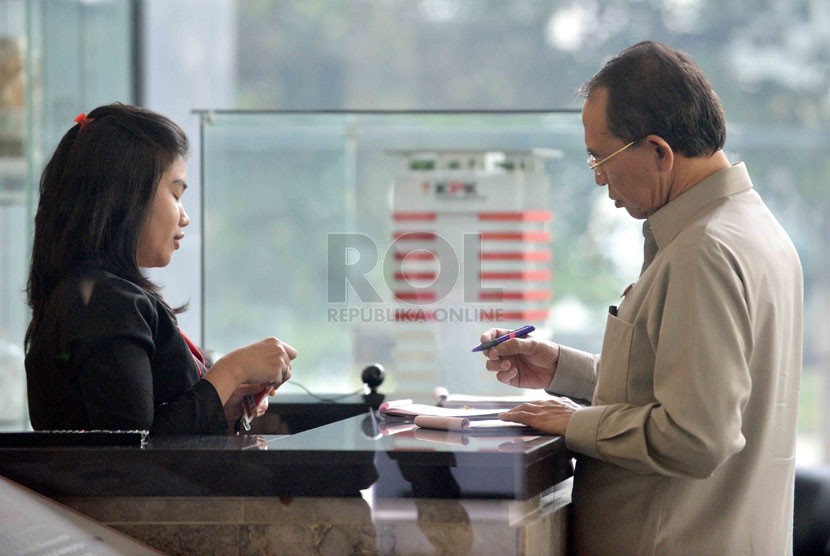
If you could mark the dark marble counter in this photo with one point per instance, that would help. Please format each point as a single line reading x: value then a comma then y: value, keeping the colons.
x: 339, y: 459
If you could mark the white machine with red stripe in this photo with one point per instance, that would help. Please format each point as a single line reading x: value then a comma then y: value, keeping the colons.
x: 471, y: 250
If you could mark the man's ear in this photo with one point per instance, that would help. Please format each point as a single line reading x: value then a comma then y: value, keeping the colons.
x: 663, y: 153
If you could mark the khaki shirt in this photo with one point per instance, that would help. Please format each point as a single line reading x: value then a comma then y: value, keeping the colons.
x: 689, y: 444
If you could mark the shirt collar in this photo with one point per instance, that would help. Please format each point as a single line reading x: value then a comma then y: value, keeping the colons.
x: 667, y: 222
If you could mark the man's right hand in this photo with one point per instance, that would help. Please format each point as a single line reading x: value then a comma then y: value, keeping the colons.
x: 521, y: 362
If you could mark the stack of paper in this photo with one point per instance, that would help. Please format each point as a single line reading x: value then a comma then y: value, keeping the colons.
x: 405, y: 408
x: 446, y: 418
x: 445, y: 399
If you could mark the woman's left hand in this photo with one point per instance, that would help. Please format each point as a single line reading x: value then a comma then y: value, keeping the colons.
x: 233, y: 408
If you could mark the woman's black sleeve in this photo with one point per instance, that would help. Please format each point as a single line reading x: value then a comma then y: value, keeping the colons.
x: 120, y: 362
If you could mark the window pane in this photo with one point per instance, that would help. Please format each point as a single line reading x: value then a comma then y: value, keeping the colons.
x: 58, y: 58
x: 344, y: 235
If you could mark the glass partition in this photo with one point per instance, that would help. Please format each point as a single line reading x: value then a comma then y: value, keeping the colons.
x: 393, y: 237
x: 57, y: 58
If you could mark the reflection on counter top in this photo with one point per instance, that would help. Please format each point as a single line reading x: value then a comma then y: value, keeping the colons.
x: 355, y: 486
x: 335, y: 460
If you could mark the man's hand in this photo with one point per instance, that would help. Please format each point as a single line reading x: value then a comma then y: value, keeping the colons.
x: 521, y: 362
x: 550, y: 416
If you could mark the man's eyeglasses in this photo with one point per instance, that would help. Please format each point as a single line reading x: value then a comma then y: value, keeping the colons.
x: 593, y: 164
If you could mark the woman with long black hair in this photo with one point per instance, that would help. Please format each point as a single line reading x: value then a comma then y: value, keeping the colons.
x: 103, y: 349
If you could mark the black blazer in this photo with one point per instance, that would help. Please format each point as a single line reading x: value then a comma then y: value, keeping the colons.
x: 109, y: 356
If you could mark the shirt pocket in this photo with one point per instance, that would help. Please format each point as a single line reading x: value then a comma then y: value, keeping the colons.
x: 612, y: 385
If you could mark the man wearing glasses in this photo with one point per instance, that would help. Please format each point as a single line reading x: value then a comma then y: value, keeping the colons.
x: 688, y: 444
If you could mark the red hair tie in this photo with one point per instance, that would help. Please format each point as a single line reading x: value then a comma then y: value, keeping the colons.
x: 82, y: 120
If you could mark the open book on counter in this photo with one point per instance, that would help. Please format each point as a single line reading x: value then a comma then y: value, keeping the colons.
x: 445, y: 399
x: 406, y: 408
x: 457, y: 412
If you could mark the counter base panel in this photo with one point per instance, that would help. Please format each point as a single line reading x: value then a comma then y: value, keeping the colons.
x: 334, y: 526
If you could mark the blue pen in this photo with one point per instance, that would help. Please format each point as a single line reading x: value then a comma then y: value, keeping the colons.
x: 518, y: 333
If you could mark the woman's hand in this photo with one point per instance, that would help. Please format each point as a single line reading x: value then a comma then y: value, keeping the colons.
x: 266, y: 362
x: 521, y: 362
x: 234, y: 407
